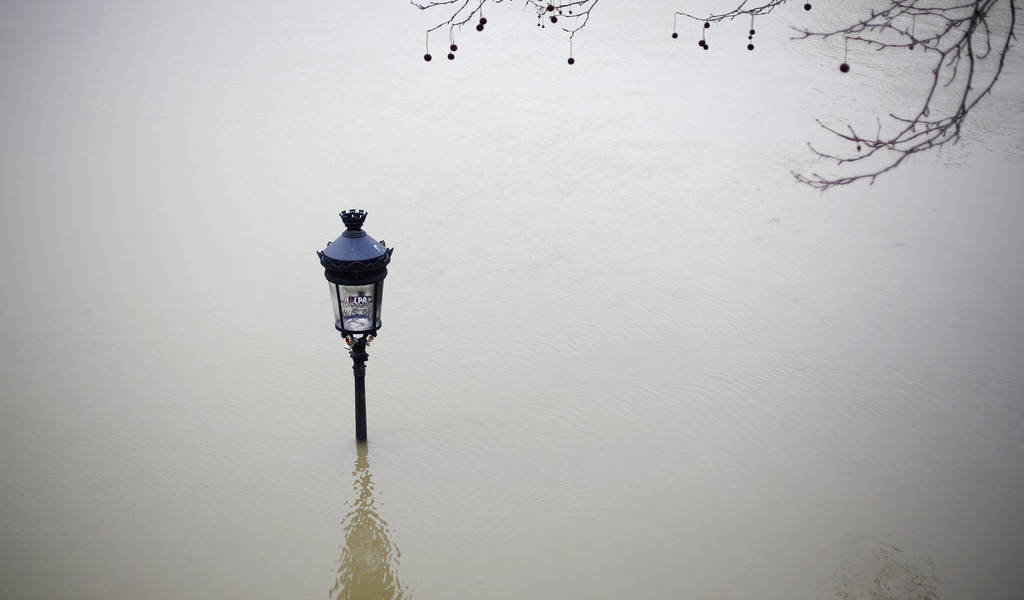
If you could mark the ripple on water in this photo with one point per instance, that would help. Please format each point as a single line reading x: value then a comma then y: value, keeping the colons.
x: 881, y: 571
x: 367, y: 566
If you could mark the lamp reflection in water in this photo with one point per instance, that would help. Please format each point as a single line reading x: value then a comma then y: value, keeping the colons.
x: 367, y: 565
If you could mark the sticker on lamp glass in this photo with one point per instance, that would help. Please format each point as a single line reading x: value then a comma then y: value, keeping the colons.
x: 360, y: 299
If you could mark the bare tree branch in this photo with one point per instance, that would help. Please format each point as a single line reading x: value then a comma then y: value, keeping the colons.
x: 968, y: 40
x: 739, y: 11
x: 572, y: 14
x: 960, y: 38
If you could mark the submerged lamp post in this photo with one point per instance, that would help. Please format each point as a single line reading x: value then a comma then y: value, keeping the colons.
x: 355, y: 266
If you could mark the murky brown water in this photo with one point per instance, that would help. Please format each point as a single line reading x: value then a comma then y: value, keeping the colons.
x: 623, y: 356
x: 368, y: 563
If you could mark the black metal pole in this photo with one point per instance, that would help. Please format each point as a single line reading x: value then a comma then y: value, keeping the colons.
x: 359, y: 357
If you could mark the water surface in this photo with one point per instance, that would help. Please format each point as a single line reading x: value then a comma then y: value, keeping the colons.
x: 623, y: 354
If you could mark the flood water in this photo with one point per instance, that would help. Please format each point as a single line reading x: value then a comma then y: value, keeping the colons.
x: 623, y: 354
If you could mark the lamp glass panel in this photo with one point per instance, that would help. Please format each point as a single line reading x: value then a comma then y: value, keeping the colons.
x: 379, y: 299
x: 334, y: 303
x: 357, y: 304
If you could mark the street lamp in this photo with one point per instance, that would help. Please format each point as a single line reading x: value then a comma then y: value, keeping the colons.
x: 355, y: 266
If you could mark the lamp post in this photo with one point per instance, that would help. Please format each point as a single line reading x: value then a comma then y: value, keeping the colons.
x: 355, y: 266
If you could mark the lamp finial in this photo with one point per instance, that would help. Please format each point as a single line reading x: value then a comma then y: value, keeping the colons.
x: 353, y: 218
